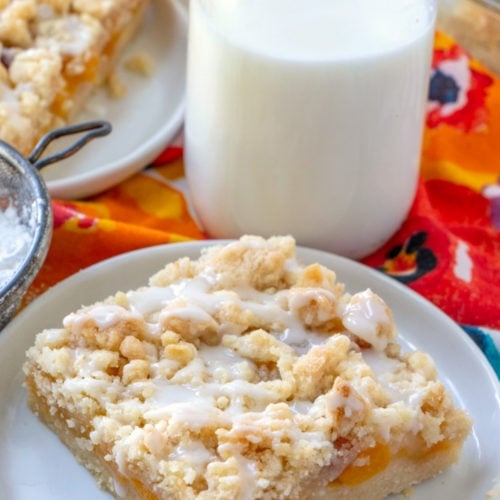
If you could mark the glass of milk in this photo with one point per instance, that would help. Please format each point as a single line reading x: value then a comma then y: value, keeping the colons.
x: 305, y: 117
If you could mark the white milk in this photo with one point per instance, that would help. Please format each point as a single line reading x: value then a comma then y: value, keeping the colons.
x: 305, y: 117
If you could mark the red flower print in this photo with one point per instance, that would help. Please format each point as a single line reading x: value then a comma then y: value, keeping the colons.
x: 457, y: 92
x: 64, y: 212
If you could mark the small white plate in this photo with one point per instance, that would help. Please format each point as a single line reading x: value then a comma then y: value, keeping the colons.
x: 144, y: 121
x: 33, y: 463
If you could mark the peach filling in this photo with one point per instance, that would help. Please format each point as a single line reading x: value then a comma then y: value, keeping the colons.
x: 89, y: 76
x: 372, y: 461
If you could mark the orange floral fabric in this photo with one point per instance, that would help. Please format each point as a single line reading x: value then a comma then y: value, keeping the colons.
x: 145, y: 210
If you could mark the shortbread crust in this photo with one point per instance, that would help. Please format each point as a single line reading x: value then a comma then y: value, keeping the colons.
x: 53, y: 53
x: 244, y: 375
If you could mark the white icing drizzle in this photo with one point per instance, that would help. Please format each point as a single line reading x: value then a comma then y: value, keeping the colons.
x: 148, y: 300
x: 190, y: 312
x: 379, y: 362
x: 351, y: 404
x: 197, y: 381
x: 365, y: 315
x: 301, y: 339
x: 305, y: 297
x: 202, y: 304
x: 167, y: 394
x: 248, y: 474
x: 193, y: 453
x: 121, y: 450
x: 222, y: 361
x: 299, y: 406
x: 188, y: 415
x: 103, y: 316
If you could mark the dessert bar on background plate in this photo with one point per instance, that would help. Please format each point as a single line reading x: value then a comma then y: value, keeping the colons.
x: 54, y: 56
x: 155, y: 102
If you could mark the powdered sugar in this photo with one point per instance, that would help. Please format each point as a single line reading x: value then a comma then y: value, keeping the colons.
x: 15, y: 241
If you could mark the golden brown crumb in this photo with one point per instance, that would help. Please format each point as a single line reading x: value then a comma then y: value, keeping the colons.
x: 116, y: 86
x: 141, y: 63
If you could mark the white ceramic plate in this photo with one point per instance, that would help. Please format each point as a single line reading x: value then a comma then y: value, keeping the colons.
x: 144, y: 121
x: 33, y: 464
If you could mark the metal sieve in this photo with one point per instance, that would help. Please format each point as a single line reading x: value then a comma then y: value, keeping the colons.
x: 22, y: 187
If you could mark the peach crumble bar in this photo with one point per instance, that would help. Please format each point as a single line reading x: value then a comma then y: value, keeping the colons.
x: 53, y: 53
x: 243, y: 375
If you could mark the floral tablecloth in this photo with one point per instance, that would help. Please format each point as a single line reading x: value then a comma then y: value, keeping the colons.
x: 448, y: 249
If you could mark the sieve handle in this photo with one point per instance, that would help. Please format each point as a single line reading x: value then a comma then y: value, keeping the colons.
x: 93, y: 129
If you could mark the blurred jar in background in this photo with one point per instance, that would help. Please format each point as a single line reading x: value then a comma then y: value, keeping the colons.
x: 475, y: 24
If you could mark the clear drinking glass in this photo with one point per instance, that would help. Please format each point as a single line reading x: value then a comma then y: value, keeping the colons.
x: 305, y: 117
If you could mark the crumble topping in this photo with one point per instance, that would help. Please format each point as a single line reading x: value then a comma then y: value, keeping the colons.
x: 241, y: 375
